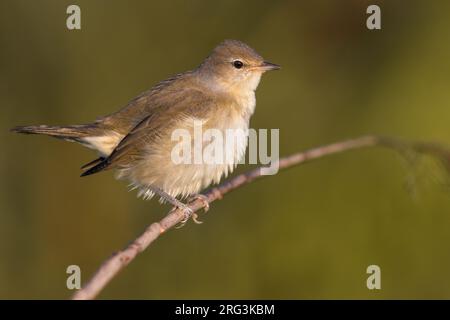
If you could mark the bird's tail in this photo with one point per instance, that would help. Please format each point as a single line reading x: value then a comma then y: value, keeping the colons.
x: 71, y: 133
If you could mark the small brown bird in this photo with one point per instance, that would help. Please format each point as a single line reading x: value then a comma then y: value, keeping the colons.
x: 138, y: 139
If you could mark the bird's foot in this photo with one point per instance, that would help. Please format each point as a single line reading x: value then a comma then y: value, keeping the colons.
x: 177, y: 204
x: 188, y: 214
x: 202, y: 198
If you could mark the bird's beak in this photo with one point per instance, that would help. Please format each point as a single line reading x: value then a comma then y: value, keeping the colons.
x: 267, y: 66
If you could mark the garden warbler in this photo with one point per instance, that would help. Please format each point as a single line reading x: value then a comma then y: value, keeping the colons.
x: 138, y: 141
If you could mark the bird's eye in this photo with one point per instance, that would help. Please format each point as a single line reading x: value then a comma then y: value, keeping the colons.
x: 238, y: 64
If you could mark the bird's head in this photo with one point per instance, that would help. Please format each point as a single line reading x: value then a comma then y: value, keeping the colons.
x: 233, y: 65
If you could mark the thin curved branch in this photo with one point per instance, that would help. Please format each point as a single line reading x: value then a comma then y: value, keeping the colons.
x: 110, y: 268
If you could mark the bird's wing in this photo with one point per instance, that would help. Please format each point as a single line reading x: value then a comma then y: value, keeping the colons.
x: 125, y: 119
x: 192, y: 103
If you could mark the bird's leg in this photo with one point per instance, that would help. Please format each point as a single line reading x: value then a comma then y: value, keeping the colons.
x: 188, y: 212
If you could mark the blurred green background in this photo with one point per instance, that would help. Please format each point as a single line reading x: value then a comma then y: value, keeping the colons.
x: 310, y: 232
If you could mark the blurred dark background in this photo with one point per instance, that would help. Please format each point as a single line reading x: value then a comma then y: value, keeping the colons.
x: 310, y: 232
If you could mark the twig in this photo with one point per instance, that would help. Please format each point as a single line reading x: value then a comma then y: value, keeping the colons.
x: 109, y: 269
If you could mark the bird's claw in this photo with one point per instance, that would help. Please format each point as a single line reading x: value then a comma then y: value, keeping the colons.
x: 189, y: 213
x: 195, y: 218
x: 203, y: 199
